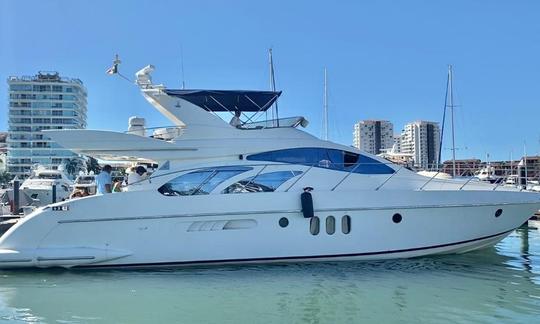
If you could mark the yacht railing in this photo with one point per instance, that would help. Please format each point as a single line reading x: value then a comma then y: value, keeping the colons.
x: 428, y: 181
x: 275, y: 123
x: 454, y: 183
x: 169, y: 132
x: 388, y: 179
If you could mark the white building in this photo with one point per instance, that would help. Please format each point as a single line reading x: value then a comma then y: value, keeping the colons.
x: 373, y: 136
x: 43, y: 101
x: 3, y: 151
x: 421, y: 140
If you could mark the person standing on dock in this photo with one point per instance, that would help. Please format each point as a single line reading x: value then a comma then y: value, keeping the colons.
x: 104, y: 181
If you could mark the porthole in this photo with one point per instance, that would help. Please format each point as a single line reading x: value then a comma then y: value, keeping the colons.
x: 314, y: 225
x: 397, y: 218
x: 498, y: 212
x: 346, y: 224
x: 330, y: 225
x: 283, y: 222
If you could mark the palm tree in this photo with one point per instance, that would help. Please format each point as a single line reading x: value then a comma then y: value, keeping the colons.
x: 5, y: 177
x: 92, y: 165
x: 73, y: 166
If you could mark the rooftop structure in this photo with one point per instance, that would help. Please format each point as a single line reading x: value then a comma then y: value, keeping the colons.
x: 41, y: 102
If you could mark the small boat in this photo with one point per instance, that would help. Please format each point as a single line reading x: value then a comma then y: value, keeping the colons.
x: 489, y: 174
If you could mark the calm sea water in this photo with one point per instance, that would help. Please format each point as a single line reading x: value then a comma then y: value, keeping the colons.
x: 500, y: 284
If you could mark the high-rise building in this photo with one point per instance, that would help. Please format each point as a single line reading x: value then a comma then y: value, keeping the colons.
x: 40, y: 102
x: 373, y: 136
x: 421, y: 140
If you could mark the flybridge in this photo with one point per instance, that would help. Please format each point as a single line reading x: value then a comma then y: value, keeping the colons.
x: 198, y: 109
x: 244, y: 101
x: 228, y: 100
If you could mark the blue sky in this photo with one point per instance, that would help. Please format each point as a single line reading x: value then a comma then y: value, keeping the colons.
x: 385, y: 59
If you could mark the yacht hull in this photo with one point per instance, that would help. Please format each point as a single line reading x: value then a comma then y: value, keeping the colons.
x: 44, y: 195
x: 235, y: 229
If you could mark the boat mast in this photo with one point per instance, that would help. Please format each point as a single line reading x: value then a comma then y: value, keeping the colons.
x: 273, y: 85
x: 451, y: 105
x: 440, y: 164
x: 325, y: 109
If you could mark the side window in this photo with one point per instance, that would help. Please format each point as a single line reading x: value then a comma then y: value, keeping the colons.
x: 200, y: 182
x: 325, y: 158
x: 266, y: 182
x: 330, y: 225
x: 314, y: 225
x: 346, y: 224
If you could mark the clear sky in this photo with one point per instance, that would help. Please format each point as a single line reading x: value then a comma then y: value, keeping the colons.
x: 385, y: 59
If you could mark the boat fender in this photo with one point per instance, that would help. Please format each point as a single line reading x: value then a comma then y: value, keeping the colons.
x: 307, y: 202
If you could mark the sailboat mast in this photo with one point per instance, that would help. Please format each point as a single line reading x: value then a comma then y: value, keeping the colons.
x: 325, y: 107
x: 440, y: 164
x: 451, y: 105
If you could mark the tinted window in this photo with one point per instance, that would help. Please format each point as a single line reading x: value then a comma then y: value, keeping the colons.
x: 266, y: 182
x: 200, y: 182
x: 346, y: 224
x: 326, y: 158
x: 314, y: 225
x: 330, y: 225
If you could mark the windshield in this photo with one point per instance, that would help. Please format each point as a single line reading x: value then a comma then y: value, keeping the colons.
x: 49, y: 176
x: 85, y: 180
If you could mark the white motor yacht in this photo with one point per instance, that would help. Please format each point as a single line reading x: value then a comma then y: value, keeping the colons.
x: 261, y: 192
x: 489, y: 174
x: 39, y: 186
x: 86, y: 182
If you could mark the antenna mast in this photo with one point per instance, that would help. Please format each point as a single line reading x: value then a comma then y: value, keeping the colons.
x: 273, y: 85
x: 182, y: 66
x: 325, y: 108
x: 451, y: 105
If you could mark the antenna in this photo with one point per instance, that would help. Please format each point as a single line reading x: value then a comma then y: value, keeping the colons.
x: 325, y: 108
x: 273, y: 84
x: 114, y: 69
x: 182, y: 66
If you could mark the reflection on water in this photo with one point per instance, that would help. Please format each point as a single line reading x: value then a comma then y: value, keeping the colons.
x: 497, y: 284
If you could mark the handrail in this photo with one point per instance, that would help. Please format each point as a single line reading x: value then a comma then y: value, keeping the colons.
x: 425, y: 184
x: 346, y: 176
x: 300, y: 177
x: 388, y: 179
x: 467, y: 182
x: 254, y: 177
x: 205, y: 181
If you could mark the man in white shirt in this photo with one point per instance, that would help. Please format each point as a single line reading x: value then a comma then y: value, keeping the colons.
x: 136, y: 176
x: 235, y: 121
x: 104, y: 181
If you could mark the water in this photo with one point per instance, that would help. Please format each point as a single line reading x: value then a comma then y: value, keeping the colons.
x: 500, y: 284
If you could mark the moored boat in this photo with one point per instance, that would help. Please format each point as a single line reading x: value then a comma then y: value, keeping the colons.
x: 261, y: 192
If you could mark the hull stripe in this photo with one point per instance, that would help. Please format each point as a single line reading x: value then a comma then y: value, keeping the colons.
x: 329, y: 256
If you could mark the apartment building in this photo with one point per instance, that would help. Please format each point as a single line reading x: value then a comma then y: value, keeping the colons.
x: 40, y: 102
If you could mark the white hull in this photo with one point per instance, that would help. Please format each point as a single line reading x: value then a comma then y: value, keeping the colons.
x: 225, y: 194
x: 225, y: 233
x: 44, y: 194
